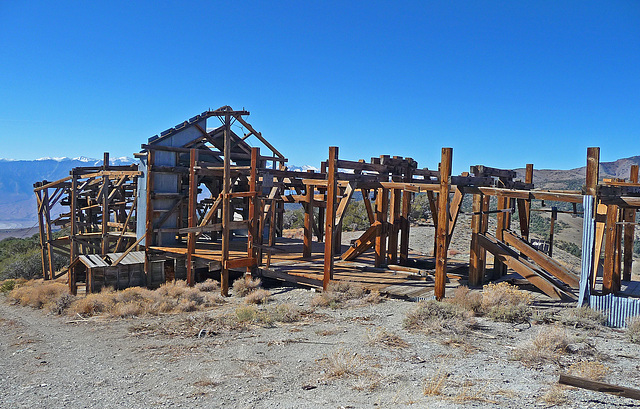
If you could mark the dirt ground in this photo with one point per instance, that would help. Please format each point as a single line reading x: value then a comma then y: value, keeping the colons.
x: 359, y: 356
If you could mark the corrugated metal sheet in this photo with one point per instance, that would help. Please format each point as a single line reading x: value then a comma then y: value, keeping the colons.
x: 588, y: 237
x: 616, y: 309
x: 134, y: 257
x: 92, y: 260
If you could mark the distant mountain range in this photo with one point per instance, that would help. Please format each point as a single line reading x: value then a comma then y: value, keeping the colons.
x: 18, y: 203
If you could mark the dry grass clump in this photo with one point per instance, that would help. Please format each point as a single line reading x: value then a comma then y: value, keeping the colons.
x: 466, y: 299
x: 582, y: 317
x: 505, y: 302
x: 556, y: 396
x: 593, y: 370
x: 633, y: 330
x: 259, y: 296
x: 38, y: 294
x: 244, y: 286
x: 250, y: 314
x: 341, y: 363
x: 387, y: 339
x: 343, y: 293
x: 208, y: 286
x: 548, y: 344
x: 434, y: 316
x: 434, y: 384
x: 96, y: 303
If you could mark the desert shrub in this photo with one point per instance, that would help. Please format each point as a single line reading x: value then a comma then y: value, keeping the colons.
x: 633, y: 330
x: 570, y: 248
x: 285, y: 313
x: 208, y: 285
x: 343, y: 293
x: 293, y: 219
x: 95, y: 303
x: 243, y: 286
x: 593, y: 370
x: 7, y: 285
x: 355, y: 217
x: 466, y: 299
x: 436, y: 316
x: 38, y: 294
x: 341, y: 363
x: 246, y: 313
x: 62, y: 303
x: 387, y: 339
x: 547, y: 345
x: 582, y: 317
x: 259, y: 296
x: 505, y: 302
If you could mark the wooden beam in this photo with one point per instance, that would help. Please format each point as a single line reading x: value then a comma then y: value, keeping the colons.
x: 601, y: 218
x: 443, y: 220
x: 192, y: 220
x: 600, y: 386
x: 254, y: 211
x: 630, y: 219
x: 593, y: 167
x: 367, y: 205
x: 499, y: 268
x: 226, y: 206
x: 394, y: 226
x: 382, y: 206
x: 330, y: 216
x: 362, y: 244
x: 476, y: 272
x: 308, y: 222
x: 546, y: 262
x: 610, y: 280
x: 454, y: 211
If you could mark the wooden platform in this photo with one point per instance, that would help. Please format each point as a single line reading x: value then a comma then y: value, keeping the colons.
x: 284, y: 261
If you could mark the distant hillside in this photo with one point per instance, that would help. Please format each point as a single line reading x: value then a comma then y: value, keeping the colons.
x: 17, y: 200
x: 574, y: 178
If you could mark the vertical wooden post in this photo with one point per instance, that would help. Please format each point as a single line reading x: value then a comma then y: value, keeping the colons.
x: 610, y: 280
x: 394, y: 226
x: 192, y: 220
x: 591, y: 185
x: 499, y: 269
x: 47, y: 218
x: 226, y: 207
x: 443, y: 226
x: 629, y: 218
x: 321, y: 210
x: 105, y: 206
x: 330, y: 215
x: 433, y: 206
x: 554, y: 217
x: 382, y: 203
x: 73, y: 244
x: 43, y: 243
x: 475, y: 277
x: 254, y: 209
x: 404, y: 218
x: 148, y: 238
x: 337, y: 240
x: 524, y: 206
x: 308, y: 221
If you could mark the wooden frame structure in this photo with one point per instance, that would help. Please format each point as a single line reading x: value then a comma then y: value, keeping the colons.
x: 204, y: 202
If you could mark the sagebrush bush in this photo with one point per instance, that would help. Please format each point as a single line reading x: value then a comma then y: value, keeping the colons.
x: 341, y: 293
x: 633, y: 330
x: 582, y: 317
x: 466, y: 299
x: 38, y: 294
x: 436, y: 316
x: 243, y: 286
x: 505, y: 302
x: 259, y: 296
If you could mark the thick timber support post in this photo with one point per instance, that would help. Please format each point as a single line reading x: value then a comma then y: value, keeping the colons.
x: 332, y: 170
x: 629, y: 219
x: 404, y: 218
x: 73, y: 245
x: 308, y: 222
x: 105, y: 206
x: 610, y: 276
x: 226, y: 207
x: 49, y: 237
x: 524, y: 206
x: 193, y: 202
x: 394, y: 226
x: 591, y: 186
x: 443, y: 223
x: 476, y: 255
x: 499, y: 268
x: 382, y: 207
x: 148, y: 238
x: 254, y: 210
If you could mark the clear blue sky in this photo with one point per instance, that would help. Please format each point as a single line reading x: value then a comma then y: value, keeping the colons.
x: 502, y: 82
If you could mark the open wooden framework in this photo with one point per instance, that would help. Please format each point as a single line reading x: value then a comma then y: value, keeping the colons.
x: 203, y: 202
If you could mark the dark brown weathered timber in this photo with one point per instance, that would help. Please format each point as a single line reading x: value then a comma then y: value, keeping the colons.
x: 330, y: 216
x: 610, y: 280
x: 499, y: 268
x: 544, y: 261
x: 363, y: 243
x: 226, y: 206
x: 630, y: 219
x: 382, y: 206
x: 443, y: 223
x: 192, y: 220
x: 394, y: 226
x: 584, y: 383
x: 593, y: 167
x: 476, y: 273
x: 308, y: 221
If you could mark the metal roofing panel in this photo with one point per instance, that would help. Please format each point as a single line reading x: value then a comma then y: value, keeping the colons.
x: 134, y: 257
